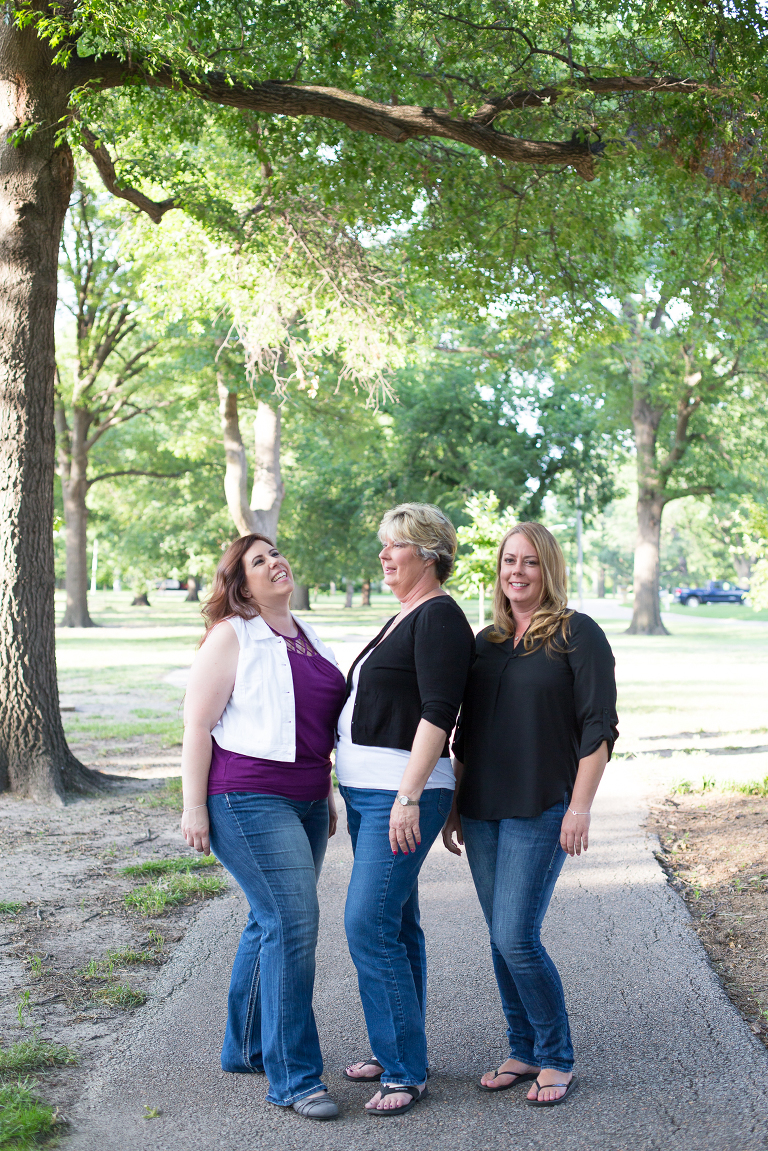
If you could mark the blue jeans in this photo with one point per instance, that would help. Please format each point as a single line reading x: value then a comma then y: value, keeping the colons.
x: 383, y: 930
x: 515, y: 864
x: 274, y: 847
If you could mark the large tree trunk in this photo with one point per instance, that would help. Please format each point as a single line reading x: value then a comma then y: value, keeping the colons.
x: 35, y: 185
x: 262, y: 512
x: 73, y: 469
x: 646, y: 613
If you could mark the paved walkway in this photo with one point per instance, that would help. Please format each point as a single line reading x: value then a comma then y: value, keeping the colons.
x: 665, y: 1062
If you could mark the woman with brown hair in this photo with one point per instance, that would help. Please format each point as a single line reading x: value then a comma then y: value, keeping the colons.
x: 537, y: 728
x: 262, y: 702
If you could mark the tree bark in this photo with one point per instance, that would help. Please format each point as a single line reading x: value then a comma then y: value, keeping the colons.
x: 366, y: 596
x: 35, y: 185
x: 646, y: 612
x: 350, y: 592
x: 73, y: 472
x: 262, y: 512
x: 300, y: 597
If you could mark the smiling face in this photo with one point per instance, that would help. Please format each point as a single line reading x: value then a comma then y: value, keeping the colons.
x: 521, y: 577
x: 404, y: 569
x: 268, y: 578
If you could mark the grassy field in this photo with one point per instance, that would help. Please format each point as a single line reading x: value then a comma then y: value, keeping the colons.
x: 698, y: 691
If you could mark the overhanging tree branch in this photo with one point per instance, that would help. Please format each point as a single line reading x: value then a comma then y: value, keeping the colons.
x: 399, y: 122
x: 137, y: 472
x: 106, y: 168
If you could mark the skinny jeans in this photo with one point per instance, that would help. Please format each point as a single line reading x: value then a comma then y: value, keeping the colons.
x: 515, y: 864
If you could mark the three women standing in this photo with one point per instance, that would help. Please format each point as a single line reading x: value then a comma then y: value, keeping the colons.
x: 537, y: 727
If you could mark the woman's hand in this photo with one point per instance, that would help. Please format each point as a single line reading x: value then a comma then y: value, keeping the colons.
x: 195, y: 828
x: 404, y: 833
x: 574, y: 832
x: 333, y: 815
x: 453, y: 826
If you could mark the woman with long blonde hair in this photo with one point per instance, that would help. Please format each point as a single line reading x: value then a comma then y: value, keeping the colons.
x: 537, y: 727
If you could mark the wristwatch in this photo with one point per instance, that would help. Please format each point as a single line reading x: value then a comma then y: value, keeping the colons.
x: 406, y: 802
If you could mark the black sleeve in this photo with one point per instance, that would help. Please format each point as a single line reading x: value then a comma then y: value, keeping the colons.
x: 443, y: 649
x: 594, y: 685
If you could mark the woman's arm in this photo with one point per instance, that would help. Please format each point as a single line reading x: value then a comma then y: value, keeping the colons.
x: 428, y: 745
x: 574, y: 830
x: 211, y: 680
x: 453, y: 822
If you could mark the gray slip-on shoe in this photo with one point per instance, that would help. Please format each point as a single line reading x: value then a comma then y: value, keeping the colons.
x: 321, y: 1107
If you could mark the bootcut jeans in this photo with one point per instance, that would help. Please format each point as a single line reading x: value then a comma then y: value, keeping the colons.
x: 274, y: 847
x: 515, y: 864
x: 385, y: 938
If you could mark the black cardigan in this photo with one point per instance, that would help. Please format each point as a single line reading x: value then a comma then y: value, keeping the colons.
x: 418, y: 672
x: 527, y: 720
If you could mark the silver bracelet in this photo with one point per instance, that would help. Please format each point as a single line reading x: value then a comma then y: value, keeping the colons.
x: 186, y: 809
x: 579, y: 812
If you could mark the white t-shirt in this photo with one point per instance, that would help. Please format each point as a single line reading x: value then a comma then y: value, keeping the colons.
x: 379, y: 768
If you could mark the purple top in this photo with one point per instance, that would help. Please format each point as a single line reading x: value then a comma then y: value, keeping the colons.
x: 319, y: 690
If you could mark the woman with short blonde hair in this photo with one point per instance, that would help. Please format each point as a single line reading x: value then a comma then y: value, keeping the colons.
x: 395, y: 777
x: 537, y: 728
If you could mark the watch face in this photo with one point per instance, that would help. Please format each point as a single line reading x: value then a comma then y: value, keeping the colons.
x: 404, y: 800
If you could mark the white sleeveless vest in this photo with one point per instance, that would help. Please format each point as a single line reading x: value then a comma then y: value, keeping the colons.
x: 260, y: 717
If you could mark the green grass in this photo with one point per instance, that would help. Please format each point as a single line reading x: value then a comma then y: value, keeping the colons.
x: 183, y: 863
x: 24, y: 1119
x: 119, y: 995
x: 34, y: 1054
x: 719, y: 611
x: 168, y: 796
x: 171, y: 731
x: 123, y: 957
x: 750, y: 787
x: 8, y: 907
x: 154, y: 899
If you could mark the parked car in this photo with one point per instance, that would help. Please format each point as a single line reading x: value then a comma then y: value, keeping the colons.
x: 714, y: 591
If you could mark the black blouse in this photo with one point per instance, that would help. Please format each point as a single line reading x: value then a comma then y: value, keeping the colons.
x: 418, y: 672
x: 527, y: 720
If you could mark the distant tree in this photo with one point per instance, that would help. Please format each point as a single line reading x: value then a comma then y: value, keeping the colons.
x: 479, y: 540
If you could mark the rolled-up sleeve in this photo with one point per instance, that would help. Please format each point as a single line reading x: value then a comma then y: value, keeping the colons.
x: 594, y: 687
x: 444, y: 648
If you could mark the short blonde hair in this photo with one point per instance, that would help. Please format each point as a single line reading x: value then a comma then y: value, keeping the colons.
x: 552, y: 615
x: 426, y: 529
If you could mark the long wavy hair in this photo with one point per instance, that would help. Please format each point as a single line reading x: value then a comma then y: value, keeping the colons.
x: 549, y: 626
x: 227, y: 598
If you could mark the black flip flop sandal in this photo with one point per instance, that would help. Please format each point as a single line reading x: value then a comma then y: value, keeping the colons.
x: 520, y: 1077
x: 569, y: 1088
x: 365, y: 1078
x: 415, y: 1094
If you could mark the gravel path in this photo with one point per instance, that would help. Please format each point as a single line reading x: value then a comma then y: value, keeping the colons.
x: 664, y: 1060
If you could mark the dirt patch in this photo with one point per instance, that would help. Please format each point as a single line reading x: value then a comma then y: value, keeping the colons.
x: 714, y: 849
x: 76, y: 959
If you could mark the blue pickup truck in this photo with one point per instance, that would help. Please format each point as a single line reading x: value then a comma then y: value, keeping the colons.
x: 714, y: 591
